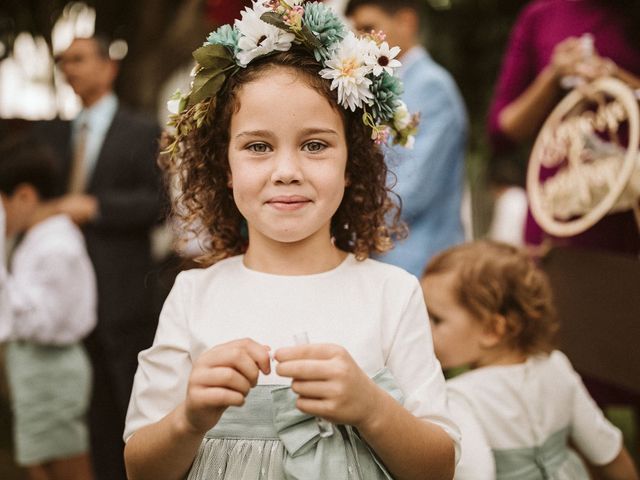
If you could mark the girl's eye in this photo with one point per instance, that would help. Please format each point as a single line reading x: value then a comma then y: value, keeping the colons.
x: 314, y: 146
x: 258, y: 147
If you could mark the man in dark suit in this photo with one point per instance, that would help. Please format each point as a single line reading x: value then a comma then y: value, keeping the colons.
x: 111, y: 181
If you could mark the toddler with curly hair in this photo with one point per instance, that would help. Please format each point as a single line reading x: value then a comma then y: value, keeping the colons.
x: 491, y: 309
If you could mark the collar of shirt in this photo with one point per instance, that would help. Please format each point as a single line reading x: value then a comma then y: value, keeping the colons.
x: 97, y: 119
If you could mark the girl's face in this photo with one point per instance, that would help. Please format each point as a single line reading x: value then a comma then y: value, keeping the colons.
x: 288, y: 157
x: 457, y: 336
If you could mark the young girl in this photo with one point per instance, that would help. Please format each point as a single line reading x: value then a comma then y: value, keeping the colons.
x: 490, y: 308
x: 281, y: 169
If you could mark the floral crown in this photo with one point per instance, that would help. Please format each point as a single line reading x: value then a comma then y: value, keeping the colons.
x: 361, y: 68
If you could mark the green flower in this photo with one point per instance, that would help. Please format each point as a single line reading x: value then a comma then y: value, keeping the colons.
x: 325, y: 26
x: 386, y: 95
x: 227, y: 36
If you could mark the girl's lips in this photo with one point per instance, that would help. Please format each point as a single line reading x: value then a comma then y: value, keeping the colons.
x: 294, y: 202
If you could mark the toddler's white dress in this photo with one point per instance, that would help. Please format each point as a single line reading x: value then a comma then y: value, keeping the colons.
x: 530, y: 411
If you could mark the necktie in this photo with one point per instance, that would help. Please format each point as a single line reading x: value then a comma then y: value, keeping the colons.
x: 78, y: 176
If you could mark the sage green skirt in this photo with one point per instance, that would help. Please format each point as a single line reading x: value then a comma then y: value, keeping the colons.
x: 49, y: 388
x: 268, y: 438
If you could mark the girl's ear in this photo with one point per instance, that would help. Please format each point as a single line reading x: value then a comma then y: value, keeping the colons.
x: 229, y: 180
x: 494, y: 331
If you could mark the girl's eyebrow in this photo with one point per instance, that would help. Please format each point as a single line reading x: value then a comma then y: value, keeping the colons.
x: 255, y: 133
x: 313, y: 131
x: 304, y: 132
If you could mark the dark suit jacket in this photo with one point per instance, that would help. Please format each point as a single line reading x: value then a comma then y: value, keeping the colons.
x: 126, y: 183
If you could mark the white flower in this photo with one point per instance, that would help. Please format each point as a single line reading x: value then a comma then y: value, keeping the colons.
x: 176, y: 102
x: 382, y: 58
x: 347, y: 69
x: 258, y: 38
x: 401, y: 117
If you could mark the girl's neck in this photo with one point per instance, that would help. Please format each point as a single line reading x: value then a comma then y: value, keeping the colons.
x: 501, y: 356
x: 293, y: 258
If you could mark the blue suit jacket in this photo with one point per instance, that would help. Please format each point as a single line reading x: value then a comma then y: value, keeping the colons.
x: 429, y: 178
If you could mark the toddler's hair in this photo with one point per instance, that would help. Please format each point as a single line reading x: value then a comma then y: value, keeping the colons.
x: 21, y: 161
x: 496, y: 278
x: 366, y: 221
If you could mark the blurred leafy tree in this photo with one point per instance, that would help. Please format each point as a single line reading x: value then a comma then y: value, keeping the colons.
x: 160, y: 35
x: 468, y: 37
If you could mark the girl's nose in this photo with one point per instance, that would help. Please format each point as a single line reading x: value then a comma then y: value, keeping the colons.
x: 286, y: 169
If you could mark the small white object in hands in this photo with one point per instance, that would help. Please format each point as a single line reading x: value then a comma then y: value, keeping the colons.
x: 326, y: 428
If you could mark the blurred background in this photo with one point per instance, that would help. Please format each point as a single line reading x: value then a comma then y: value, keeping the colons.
x: 154, y: 40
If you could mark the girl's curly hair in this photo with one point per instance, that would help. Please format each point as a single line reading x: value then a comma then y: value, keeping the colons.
x: 367, y: 221
x: 494, y: 278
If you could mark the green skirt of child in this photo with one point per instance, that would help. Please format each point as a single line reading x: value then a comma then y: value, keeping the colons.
x: 49, y: 388
x: 268, y: 438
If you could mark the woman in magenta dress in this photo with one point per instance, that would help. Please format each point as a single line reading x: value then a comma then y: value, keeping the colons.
x: 545, y: 47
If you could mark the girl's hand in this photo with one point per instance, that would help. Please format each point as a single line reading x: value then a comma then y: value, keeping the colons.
x: 329, y: 383
x: 221, y: 377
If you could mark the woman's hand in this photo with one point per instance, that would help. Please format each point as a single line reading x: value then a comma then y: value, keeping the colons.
x: 567, y: 56
x: 596, y: 67
x: 222, y: 377
x: 329, y: 383
x: 572, y: 57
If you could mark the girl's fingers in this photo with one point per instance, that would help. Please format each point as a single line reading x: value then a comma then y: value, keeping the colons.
x: 309, y: 369
x: 220, y: 397
x: 315, y: 407
x: 246, y: 356
x: 318, y: 351
x: 260, y: 355
x: 225, y: 377
x: 315, y: 389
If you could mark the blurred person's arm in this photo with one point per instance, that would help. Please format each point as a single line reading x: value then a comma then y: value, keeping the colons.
x: 523, y: 117
x: 621, y: 468
x: 125, y: 208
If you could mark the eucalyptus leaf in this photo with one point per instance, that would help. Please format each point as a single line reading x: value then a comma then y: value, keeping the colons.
x: 310, y: 38
x: 213, y: 56
x: 272, y: 18
x: 206, y: 84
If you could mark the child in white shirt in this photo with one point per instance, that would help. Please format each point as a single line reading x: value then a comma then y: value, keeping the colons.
x: 49, y: 298
x: 490, y: 308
